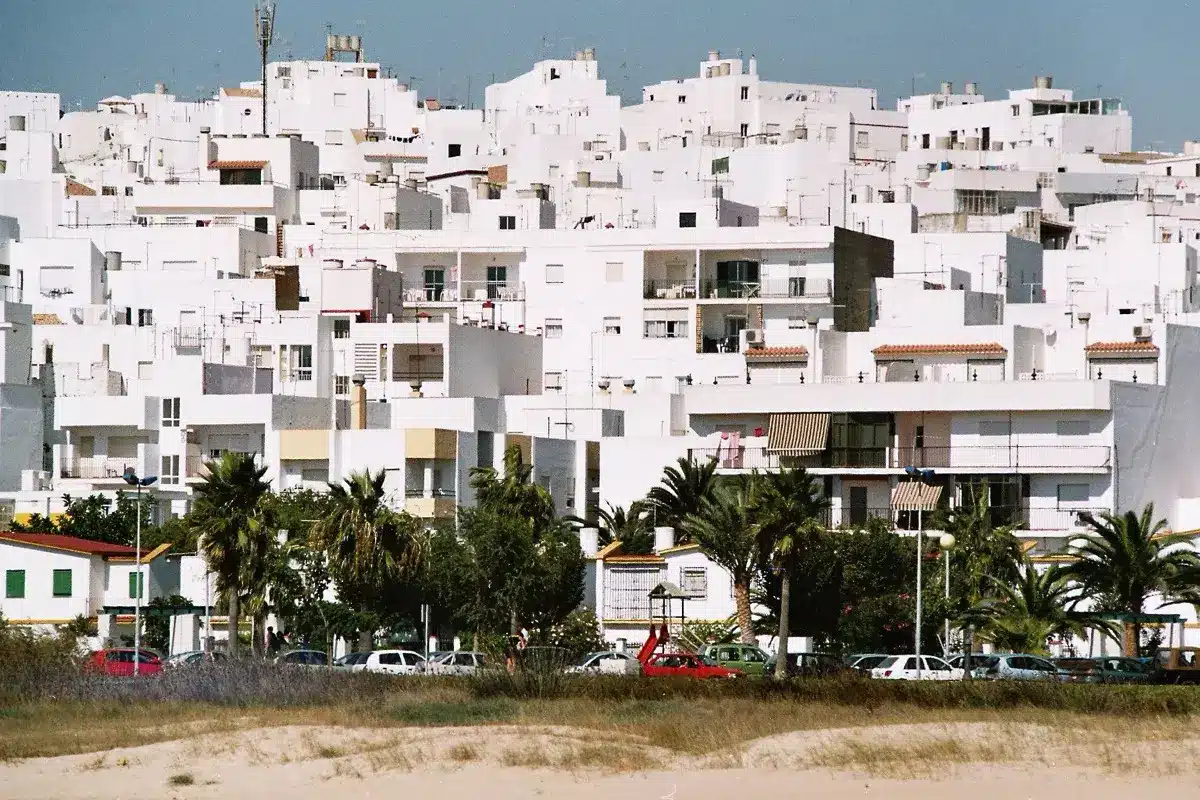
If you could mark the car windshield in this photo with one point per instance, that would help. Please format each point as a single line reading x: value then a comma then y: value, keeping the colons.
x: 985, y: 663
x: 888, y: 662
x: 583, y: 662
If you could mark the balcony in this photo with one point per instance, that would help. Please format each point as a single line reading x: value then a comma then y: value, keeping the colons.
x: 664, y: 289
x: 1033, y: 520
x: 97, y: 467
x: 952, y: 458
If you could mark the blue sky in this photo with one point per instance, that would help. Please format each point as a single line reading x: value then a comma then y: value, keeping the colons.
x: 86, y: 50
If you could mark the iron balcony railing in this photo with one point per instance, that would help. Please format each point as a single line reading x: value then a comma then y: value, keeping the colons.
x: 1019, y: 517
x: 950, y: 457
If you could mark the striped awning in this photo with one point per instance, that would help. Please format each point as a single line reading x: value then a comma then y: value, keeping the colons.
x: 797, y: 433
x: 915, y: 496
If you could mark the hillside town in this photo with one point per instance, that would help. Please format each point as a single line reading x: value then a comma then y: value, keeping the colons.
x: 967, y: 305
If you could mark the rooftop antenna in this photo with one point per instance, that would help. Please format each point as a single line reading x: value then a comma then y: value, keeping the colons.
x: 264, y: 33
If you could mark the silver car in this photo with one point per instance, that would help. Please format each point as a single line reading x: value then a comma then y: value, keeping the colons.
x: 457, y: 663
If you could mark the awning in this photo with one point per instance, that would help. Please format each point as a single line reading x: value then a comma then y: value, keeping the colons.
x: 915, y: 496
x: 797, y: 433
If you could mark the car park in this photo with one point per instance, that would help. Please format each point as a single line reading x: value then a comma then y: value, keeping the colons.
x: 747, y: 658
x: 905, y: 668
x: 303, y: 658
x: 1018, y: 667
x: 811, y: 665
x: 606, y: 662
x: 863, y: 664
x: 457, y: 663
x: 686, y: 665
x: 120, y: 661
x: 191, y: 658
x: 1177, y: 665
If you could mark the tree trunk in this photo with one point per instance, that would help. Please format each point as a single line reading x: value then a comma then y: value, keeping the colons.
x: 366, y: 641
x: 1132, y: 634
x: 968, y: 648
x: 785, y: 628
x: 235, y: 608
x: 741, y: 598
x: 260, y: 634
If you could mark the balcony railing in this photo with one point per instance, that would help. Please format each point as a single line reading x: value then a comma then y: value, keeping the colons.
x: 952, y: 457
x: 1019, y: 517
x: 664, y: 289
x: 472, y: 291
x: 97, y: 467
x: 440, y: 493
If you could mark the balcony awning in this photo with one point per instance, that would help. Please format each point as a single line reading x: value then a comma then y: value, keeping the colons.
x: 797, y: 433
x: 915, y: 496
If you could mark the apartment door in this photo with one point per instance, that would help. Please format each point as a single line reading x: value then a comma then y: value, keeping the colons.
x: 734, y: 325
x: 858, y: 505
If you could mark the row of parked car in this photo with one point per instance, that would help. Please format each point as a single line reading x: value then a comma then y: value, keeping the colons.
x: 1169, y: 666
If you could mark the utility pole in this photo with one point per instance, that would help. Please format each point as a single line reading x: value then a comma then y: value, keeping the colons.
x: 264, y: 33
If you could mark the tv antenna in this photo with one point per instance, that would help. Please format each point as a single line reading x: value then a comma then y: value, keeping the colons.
x: 264, y: 33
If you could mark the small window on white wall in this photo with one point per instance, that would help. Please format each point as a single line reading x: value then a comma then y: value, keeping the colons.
x: 554, y: 327
x: 613, y: 271
x: 612, y: 326
x: 554, y: 273
x: 339, y: 99
x: 1074, y: 492
x: 553, y: 381
x: 170, y: 470
x: 1073, y: 427
x: 694, y: 582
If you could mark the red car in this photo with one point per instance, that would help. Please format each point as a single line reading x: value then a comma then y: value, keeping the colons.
x: 119, y: 661
x: 686, y: 665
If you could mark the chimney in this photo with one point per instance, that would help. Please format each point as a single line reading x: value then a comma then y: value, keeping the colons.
x: 358, y: 402
x: 205, y: 146
x: 664, y: 539
x: 589, y: 541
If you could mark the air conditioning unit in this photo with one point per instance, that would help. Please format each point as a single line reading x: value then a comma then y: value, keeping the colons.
x: 1142, y: 333
x: 754, y: 337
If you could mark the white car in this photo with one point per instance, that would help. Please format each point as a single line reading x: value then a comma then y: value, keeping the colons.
x: 392, y: 662
x: 904, y: 668
x: 458, y: 663
x: 607, y: 662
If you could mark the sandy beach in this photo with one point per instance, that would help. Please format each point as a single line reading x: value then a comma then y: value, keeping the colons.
x: 985, y: 761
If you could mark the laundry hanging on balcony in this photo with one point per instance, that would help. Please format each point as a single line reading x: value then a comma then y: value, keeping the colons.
x: 797, y: 433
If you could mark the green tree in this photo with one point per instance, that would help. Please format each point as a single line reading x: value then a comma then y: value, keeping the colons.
x: 95, y: 517
x: 630, y: 527
x: 788, y: 508
x: 157, y: 621
x: 578, y: 634
x: 230, y: 518
x: 513, y: 490
x: 684, y: 488
x: 727, y: 530
x: 1021, y: 616
x: 1125, y: 559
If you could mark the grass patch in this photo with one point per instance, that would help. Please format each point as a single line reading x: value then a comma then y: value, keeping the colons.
x: 182, y: 779
x: 918, y: 759
x: 462, y: 754
x: 444, y: 713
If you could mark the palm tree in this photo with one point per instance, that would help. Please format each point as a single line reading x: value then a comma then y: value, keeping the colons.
x: 788, y: 509
x: 629, y: 526
x: 685, y: 486
x: 513, y: 491
x: 1125, y: 559
x: 230, y: 518
x: 1024, y: 614
x: 726, y: 529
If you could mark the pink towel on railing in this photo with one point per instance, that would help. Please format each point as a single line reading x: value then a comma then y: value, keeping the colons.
x: 735, y: 450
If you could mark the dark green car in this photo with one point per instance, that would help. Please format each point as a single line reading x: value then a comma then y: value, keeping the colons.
x: 750, y: 659
x: 1107, y: 669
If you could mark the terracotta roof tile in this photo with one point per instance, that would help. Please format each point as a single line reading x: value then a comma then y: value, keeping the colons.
x: 964, y: 349
x: 46, y: 319
x: 238, y: 91
x: 56, y: 541
x: 1122, y: 348
x: 236, y: 164
x: 799, y: 353
x: 77, y: 189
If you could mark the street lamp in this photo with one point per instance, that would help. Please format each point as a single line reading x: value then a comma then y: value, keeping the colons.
x: 946, y: 542
x: 924, y: 477
x: 131, y: 477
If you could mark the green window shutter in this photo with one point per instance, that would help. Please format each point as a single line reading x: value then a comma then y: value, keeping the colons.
x: 135, y: 584
x: 14, y: 584
x: 62, y: 583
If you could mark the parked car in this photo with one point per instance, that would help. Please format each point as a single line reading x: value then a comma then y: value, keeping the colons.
x: 863, y: 664
x: 191, y: 658
x: 747, y: 658
x: 304, y: 658
x: 119, y: 661
x: 351, y: 662
x: 959, y: 660
x: 1106, y: 669
x: 1018, y: 667
x: 607, y: 662
x: 807, y: 665
x: 1178, y: 665
x: 687, y: 665
x: 904, y: 668
x: 393, y: 662
x: 457, y: 663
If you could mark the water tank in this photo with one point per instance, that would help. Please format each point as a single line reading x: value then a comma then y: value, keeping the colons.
x: 942, y: 143
x: 589, y: 54
x: 1043, y: 82
x: 331, y: 263
x: 725, y: 68
x: 714, y: 55
x: 160, y: 87
x: 131, y: 167
x: 331, y: 41
x: 355, y: 43
x: 947, y: 87
x: 385, y: 170
x: 923, y: 171
x: 410, y: 183
x: 972, y: 142
x: 402, y: 87
x: 343, y: 41
x: 112, y: 260
x: 579, y: 55
x: 972, y: 88
x: 583, y: 178
x: 482, y: 190
x: 16, y: 122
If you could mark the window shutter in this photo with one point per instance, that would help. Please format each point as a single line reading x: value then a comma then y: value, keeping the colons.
x: 14, y: 584
x: 62, y: 583
x: 137, y: 581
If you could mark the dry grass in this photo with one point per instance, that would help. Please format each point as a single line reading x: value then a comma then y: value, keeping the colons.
x: 462, y: 753
x: 181, y: 779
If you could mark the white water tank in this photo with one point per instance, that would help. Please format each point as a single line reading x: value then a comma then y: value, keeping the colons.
x: 972, y: 142
x: 583, y: 178
x: 331, y: 263
x: 714, y: 55
x: 972, y: 88
x: 112, y: 260
x: 1043, y: 82
x: 589, y: 541
x: 947, y: 87
x: 664, y: 538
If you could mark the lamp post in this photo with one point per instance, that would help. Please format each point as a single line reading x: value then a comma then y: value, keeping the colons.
x: 947, y: 542
x: 923, y: 476
x: 131, y: 477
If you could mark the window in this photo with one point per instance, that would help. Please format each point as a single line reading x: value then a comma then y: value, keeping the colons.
x: 554, y: 273
x: 863, y: 138
x: 919, y: 437
x: 339, y: 99
x: 687, y: 219
x: 145, y: 317
x: 682, y: 98
x: 5, y: 270
x: 453, y: 150
x: 341, y: 384
x: 62, y: 583
x: 508, y: 222
x: 497, y: 279
x: 744, y: 129
x: 111, y: 191
x: 241, y: 177
x: 612, y: 271
x: 694, y: 582
x: 1073, y: 427
x: 797, y: 323
x: 435, y: 283
x: 300, y: 362
x: 170, y: 412
x: 14, y: 584
x: 995, y: 428
x: 978, y: 201
x: 129, y: 191
x: 137, y: 583
x: 170, y: 471
x: 658, y: 176
x: 553, y: 381
x: 924, y: 141
x: 666, y: 323
x: 1074, y: 493
x: 341, y: 329
x: 831, y: 134
x: 745, y: 92
x: 1168, y: 172
x: 333, y: 137
x: 553, y: 328
x: 612, y: 326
